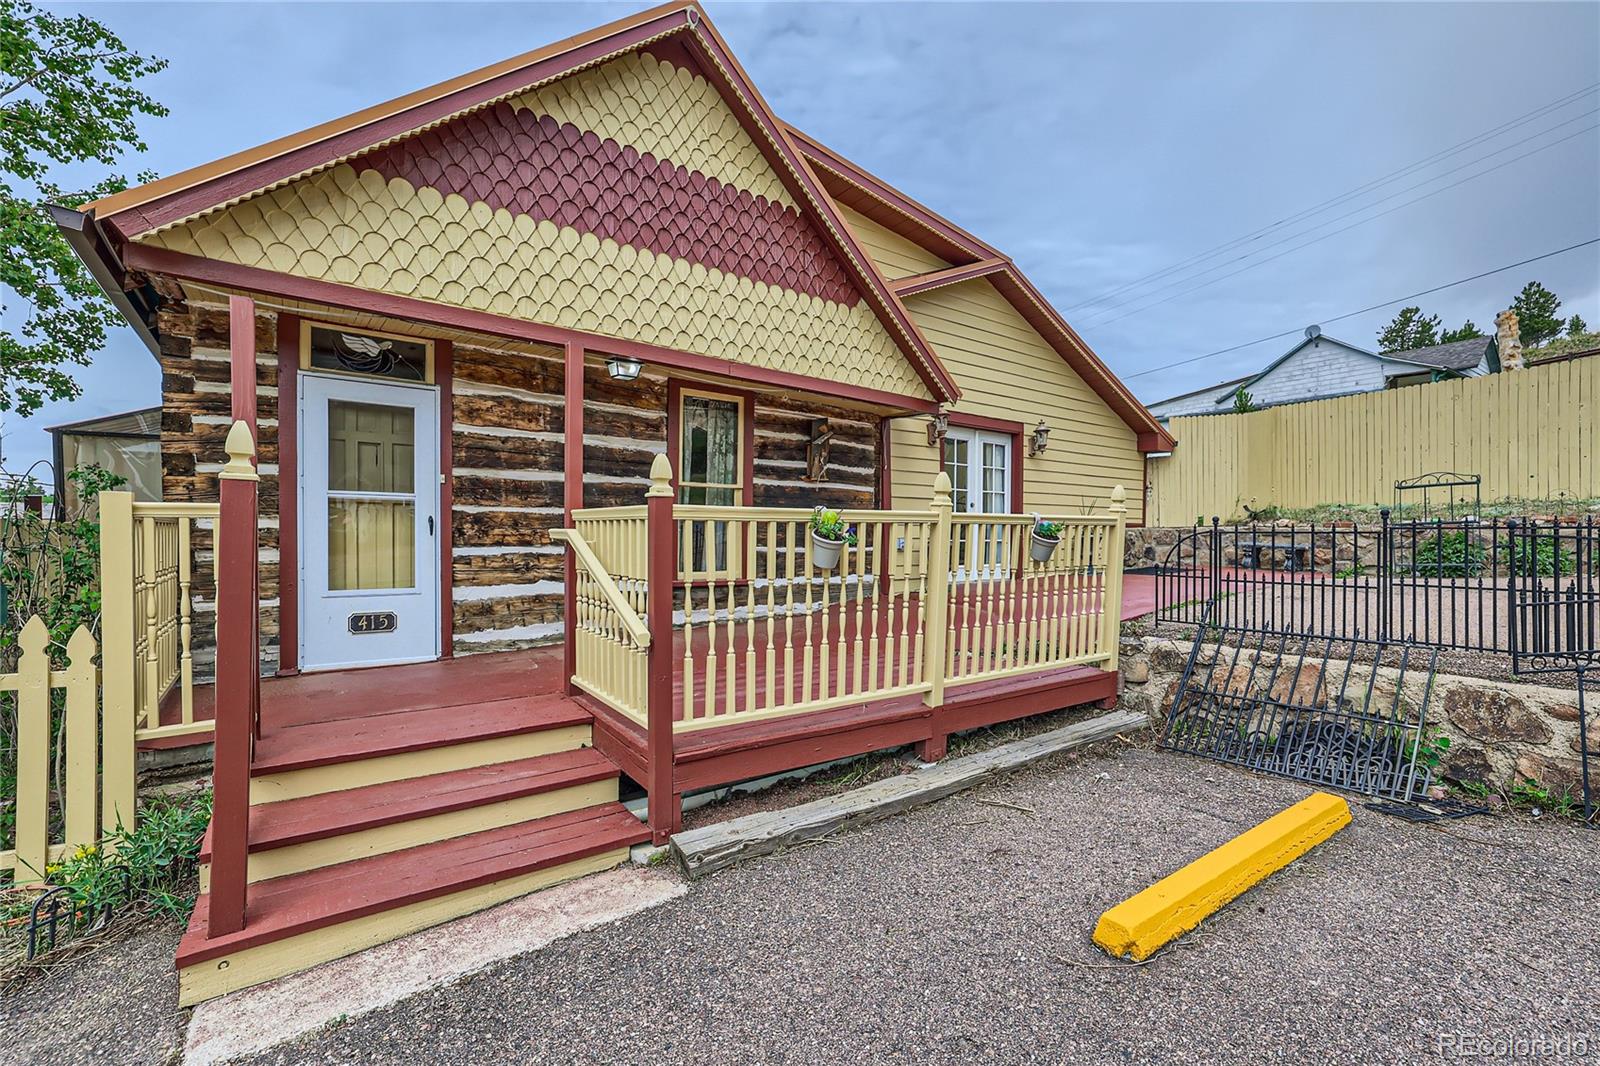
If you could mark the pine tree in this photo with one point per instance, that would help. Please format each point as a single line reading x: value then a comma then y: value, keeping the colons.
x: 1466, y: 332
x: 1576, y: 326
x: 1410, y: 329
x: 1536, y: 308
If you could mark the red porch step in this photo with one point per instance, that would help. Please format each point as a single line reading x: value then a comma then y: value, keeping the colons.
x: 287, y: 907
x: 343, y: 740
x: 296, y: 821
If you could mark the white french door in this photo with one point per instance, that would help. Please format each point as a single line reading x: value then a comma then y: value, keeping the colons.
x: 979, y: 465
x: 369, y: 503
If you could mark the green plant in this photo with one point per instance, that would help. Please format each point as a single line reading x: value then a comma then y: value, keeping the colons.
x: 1539, y: 560
x: 1430, y: 748
x: 1048, y: 530
x: 830, y: 525
x: 1475, y: 789
x: 1529, y: 794
x: 152, y: 869
x: 1243, y: 402
x: 1448, y: 555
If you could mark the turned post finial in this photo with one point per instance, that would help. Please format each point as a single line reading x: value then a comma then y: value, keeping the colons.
x: 241, y: 448
x: 660, y: 477
x: 941, y: 490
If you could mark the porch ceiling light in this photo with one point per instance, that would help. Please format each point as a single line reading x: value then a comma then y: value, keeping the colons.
x: 623, y: 368
x: 1039, y: 439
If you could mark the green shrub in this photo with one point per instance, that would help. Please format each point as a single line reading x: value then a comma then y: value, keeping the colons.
x: 1449, y: 555
x: 1538, y: 559
x: 153, y: 869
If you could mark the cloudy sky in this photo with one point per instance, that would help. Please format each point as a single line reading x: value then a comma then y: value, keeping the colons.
x: 1096, y: 144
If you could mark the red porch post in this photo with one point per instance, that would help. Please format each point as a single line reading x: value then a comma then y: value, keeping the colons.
x: 238, y: 686
x: 666, y: 805
x: 572, y: 466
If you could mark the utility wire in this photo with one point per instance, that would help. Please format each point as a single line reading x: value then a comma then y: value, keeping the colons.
x: 1333, y: 201
x: 1364, y: 310
x: 1341, y: 229
x: 1092, y: 315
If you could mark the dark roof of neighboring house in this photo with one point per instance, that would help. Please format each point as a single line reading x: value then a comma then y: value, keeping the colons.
x: 1457, y: 355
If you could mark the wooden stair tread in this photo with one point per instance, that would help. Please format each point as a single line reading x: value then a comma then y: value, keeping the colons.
x: 350, y: 739
x: 316, y: 899
x: 295, y: 821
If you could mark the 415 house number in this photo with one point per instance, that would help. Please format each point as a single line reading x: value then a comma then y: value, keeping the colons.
x: 373, y: 622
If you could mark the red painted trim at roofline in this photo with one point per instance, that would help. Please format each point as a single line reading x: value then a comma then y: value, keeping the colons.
x: 994, y: 425
x: 935, y: 279
x: 720, y: 60
x: 1009, y: 281
x: 288, y: 495
x: 270, y: 283
x: 252, y: 178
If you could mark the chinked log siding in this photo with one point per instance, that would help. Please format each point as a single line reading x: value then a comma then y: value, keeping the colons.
x: 507, y: 427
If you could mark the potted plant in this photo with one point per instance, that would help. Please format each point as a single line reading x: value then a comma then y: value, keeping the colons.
x: 1046, y: 535
x: 829, y: 535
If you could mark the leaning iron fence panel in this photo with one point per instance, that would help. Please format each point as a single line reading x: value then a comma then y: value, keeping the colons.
x: 1345, y: 714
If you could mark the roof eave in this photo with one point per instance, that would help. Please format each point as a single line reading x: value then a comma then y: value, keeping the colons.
x: 83, y: 236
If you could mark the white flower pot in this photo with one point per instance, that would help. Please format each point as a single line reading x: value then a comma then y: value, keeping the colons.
x: 1043, y: 547
x: 825, y: 552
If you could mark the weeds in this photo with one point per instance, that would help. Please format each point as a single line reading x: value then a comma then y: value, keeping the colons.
x: 1531, y: 796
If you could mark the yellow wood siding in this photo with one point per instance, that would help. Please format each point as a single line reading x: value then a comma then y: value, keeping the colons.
x: 1530, y: 434
x: 1006, y: 370
x: 895, y: 256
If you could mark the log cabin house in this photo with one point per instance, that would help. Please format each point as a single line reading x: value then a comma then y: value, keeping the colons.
x: 492, y: 420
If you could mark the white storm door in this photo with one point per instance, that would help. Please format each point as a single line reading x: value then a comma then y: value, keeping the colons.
x: 369, y: 503
x: 979, y: 465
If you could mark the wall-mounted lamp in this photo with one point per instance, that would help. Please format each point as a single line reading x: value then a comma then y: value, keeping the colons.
x: 1039, y: 439
x: 623, y: 368
x: 938, y: 427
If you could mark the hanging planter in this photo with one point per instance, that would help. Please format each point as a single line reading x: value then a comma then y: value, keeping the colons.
x: 829, y: 535
x: 1046, y: 537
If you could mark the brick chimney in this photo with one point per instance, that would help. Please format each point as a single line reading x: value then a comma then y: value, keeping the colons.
x: 1508, y: 339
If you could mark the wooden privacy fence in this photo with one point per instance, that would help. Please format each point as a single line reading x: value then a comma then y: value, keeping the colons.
x: 67, y: 808
x: 1531, y: 433
x: 755, y: 629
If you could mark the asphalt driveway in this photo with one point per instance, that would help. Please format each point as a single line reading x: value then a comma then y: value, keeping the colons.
x: 960, y: 933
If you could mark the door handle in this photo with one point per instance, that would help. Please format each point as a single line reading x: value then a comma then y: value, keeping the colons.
x: 430, y: 525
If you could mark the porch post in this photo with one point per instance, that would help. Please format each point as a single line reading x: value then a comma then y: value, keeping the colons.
x: 938, y: 600
x: 118, y: 704
x: 238, y: 684
x: 666, y: 806
x: 572, y: 466
x: 1114, y: 556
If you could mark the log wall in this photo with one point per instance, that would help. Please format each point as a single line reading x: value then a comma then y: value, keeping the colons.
x: 507, y: 431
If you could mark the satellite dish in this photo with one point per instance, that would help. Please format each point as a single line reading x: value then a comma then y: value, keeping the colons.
x: 1313, y: 332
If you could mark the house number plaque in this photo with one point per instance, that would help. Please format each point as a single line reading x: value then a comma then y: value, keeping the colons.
x: 373, y: 622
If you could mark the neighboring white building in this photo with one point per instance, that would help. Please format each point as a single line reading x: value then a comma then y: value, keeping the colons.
x: 1320, y: 367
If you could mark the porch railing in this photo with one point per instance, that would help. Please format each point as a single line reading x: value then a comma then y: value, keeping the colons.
x: 147, y: 567
x: 691, y: 617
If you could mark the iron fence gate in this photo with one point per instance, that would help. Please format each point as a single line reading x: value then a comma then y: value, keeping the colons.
x: 1440, y: 583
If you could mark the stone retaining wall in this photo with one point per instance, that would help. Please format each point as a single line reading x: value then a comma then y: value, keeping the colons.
x: 1501, y: 733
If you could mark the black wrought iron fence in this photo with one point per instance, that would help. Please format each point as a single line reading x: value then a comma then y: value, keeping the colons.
x: 1441, y: 583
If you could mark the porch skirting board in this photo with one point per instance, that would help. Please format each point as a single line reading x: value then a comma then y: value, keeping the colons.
x: 733, y: 753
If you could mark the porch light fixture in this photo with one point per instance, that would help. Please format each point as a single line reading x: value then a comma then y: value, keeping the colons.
x: 1039, y: 439
x: 938, y: 428
x: 623, y: 368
